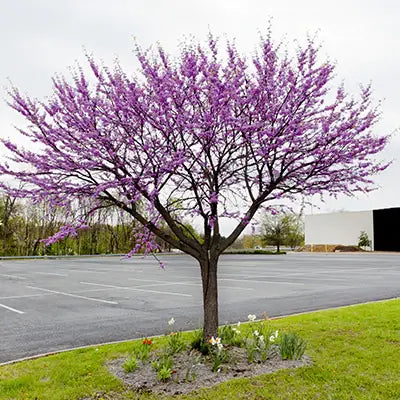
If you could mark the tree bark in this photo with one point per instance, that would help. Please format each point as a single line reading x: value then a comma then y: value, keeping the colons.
x: 208, y: 266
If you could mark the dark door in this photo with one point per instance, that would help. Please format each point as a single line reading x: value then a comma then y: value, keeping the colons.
x: 387, y: 229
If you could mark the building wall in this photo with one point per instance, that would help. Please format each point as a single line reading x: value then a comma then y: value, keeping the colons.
x: 342, y: 228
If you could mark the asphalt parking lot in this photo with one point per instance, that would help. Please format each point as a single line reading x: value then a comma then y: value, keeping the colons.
x: 55, y: 304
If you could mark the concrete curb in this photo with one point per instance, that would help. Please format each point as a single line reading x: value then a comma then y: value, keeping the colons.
x: 155, y: 336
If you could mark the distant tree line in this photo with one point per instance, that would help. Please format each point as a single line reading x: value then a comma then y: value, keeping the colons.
x: 23, y: 225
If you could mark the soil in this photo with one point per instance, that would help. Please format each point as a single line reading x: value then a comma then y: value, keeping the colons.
x: 193, y: 371
x: 347, y: 249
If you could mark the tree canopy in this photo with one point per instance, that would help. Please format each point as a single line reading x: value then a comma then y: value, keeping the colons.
x: 222, y: 133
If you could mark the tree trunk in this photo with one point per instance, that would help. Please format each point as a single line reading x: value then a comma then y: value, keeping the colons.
x: 210, y: 296
x: 278, y: 247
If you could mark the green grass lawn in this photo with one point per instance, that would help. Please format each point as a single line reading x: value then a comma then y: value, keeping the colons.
x: 356, y: 354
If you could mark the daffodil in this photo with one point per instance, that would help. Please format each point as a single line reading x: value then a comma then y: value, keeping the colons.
x: 251, y: 317
x: 215, y: 341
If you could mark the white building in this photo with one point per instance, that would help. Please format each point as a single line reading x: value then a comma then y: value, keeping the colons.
x: 344, y: 228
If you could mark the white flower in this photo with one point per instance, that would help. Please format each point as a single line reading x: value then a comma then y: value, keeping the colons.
x: 220, y: 346
x: 276, y: 334
x: 256, y: 333
x: 261, y: 338
x: 251, y: 317
x: 171, y: 321
x: 238, y: 324
x: 272, y: 338
x: 215, y: 341
x: 236, y: 330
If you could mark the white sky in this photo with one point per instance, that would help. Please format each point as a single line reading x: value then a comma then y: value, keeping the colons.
x: 43, y: 37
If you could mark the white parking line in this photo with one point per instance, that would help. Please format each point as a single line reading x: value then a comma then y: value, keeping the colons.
x: 148, y: 280
x: 194, y: 284
x: 50, y: 273
x: 294, y: 276
x: 13, y: 276
x: 26, y: 295
x: 259, y: 281
x: 166, y: 283
x: 23, y: 296
x: 97, y: 270
x: 136, y: 289
x: 12, y: 309
x: 235, y: 280
x: 85, y: 271
x: 73, y: 295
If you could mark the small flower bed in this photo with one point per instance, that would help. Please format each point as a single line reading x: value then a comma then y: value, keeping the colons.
x: 180, y: 364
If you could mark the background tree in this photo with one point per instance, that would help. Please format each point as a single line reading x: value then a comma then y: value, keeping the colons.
x: 363, y: 240
x: 224, y: 134
x: 8, y: 211
x: 295, y: 236
x: 275, y: 231
x: 251, y: 241
x: 282, y: 229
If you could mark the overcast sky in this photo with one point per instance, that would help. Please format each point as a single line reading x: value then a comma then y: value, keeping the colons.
x: 42, y: 37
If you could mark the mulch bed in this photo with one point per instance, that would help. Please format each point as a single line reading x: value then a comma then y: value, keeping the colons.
x: 192, y: 371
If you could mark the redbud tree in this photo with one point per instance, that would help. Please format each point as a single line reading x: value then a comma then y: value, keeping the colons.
x: 209, y: 134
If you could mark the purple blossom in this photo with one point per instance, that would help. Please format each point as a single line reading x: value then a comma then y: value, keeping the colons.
x: 207, y: 134
x: 65, y: 231
x: 213, y: 198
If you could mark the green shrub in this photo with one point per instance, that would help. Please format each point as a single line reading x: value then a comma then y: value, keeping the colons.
x: 175, y: 343
x: 258, y: 342
x: 229, y: 335
x: 250, y: 345
x: 219, y: 357
x: 292, y: 346
x: 130, y: 364
x: 190, y: 375
x: 197, y: 343
x: 164, y: 373
x: 196, y: 339
x: 165, y: 361
x: 143, y: 351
